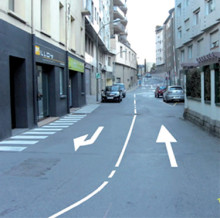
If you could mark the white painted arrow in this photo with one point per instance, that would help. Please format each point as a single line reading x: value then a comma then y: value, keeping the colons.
x: 81, y: 141
x: 164, y: 136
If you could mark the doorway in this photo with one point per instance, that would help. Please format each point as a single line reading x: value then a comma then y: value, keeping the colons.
x: 43, y: 93
x: 18, y: 92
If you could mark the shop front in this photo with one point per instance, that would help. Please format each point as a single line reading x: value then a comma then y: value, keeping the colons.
x: 51, y: 96
x: 77, y: 89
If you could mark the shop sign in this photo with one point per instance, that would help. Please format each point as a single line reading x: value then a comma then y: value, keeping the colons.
x: 75, y: 65
x: 49, y: 56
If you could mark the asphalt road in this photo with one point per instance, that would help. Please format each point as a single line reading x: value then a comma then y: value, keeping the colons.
x: 124, y: 173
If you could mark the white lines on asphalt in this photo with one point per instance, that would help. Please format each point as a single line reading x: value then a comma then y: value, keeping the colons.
x: 17, y: 142
x: 112, y: 174
x: 39, y: 133
x: 80, y: 201
x: 135, y: 104
x: 60, y: 124
x: 10, y: 148
x: 28, y: 137
x: 45, y: 129
x: 55, y: 126
x: 64, y: 122
x: 126, y: 142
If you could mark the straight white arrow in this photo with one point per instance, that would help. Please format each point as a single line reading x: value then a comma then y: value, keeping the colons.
x: 81, y: 141
x: 164, y: 136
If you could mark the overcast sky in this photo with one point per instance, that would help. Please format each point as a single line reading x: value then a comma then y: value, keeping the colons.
x: 143, y: 16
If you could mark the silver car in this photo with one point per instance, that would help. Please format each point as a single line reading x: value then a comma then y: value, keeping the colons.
x: 173, y: 93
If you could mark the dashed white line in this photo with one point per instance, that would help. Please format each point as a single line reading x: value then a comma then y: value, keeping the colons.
x: 80, y: 201
x: 112, y: 174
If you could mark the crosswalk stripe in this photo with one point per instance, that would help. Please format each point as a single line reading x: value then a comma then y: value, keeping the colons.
x: 18, y: 142
x: 61, y: 124
x: 55, y: 126
x: 39, y: 133
x: 29, y: 137
x: 45, y: 129
x: 10, y: 148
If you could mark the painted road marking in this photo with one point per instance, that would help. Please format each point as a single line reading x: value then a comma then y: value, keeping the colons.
x: 112, y: 174
x: 80, y: 201
x: 18, y: 142
x: 60, y: 124
x: 10, y: 148
x: 29, y: 137
x: 54, y: 126
x: 39, y: 133
x: 104, y: 183
x: 42, y: 129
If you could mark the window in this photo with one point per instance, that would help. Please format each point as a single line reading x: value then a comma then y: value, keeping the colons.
x: 12, y: 5
x: 207, y: 85
x: 62, y: 23
x: 210, y: 6
x: 182, y: 56
x: 186, y: 3
x: 82, y: 83
x: 190, y: 52
x: 45, y: 16
x: 214, y: 39
x: 187, y: 25
x: 217, y: 85
x: 61, y: 75
x: 196, y: 15
x: 179, y: 10
x: 121, y: 52
x: 109, y: 61
x: 199, y: 47
x: 179, y: 33
x: 72, y: 35
x: 18, y: 7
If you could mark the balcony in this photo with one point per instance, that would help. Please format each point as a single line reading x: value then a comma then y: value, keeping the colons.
x: 118, y: 14
x: 119, y: 3
x: 119, y: 28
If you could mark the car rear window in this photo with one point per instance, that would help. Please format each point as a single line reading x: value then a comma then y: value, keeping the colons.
x: 176, y: 88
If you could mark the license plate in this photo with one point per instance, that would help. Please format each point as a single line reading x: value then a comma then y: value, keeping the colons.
x: 109, y: 98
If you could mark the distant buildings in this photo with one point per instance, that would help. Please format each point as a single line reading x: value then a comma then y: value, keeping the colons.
x: 49, y: 60
x: 187, y: 50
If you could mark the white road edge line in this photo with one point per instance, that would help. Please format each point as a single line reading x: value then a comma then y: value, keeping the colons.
x: 80, y: 201
x: 112, y: 174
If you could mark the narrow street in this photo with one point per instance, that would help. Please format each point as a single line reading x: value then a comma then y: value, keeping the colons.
x: 124, y: 173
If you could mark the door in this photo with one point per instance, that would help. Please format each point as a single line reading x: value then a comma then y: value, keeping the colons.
x: 43, y: 93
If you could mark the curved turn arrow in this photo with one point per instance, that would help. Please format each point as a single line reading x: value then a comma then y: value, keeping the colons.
x: 81, y: 141
x: 164, y: 136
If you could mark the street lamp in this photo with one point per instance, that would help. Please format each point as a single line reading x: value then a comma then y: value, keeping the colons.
x: 97, y: 58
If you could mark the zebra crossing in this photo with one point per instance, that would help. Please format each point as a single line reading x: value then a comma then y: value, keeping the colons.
x: 20, y: 142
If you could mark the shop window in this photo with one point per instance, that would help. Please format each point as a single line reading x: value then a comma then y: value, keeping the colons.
x: 207, y: 85
x: 82, y: 83
x: 217, y: 85
x: 193, y: 84
x: 61, y: 75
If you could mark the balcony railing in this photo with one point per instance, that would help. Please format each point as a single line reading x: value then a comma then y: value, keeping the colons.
x: 118, y: 13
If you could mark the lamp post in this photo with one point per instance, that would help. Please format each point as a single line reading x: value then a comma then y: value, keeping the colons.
x: 98, y: 76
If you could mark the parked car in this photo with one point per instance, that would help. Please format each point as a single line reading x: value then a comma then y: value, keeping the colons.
x: 159, y: 91
x: 148, y: 75
x: 112, y: 93
x: 173, y: 93
x: 122, y: 88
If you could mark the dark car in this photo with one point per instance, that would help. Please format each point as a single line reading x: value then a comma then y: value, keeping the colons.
x: 112, y: 93
x: 122, y: 88
x: 159, y: 91
x: 173, y: 93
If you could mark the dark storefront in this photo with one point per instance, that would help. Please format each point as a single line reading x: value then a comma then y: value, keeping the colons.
x: 51, y: 81
x: 16, y: 83
x: 77, y: 90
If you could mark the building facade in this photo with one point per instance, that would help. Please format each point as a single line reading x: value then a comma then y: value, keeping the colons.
x: 42, y: 64
x: 197, y: 28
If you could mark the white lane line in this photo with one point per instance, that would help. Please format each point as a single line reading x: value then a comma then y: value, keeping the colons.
x: 126, y: 142
x: 53, y: 126
x: 112, y: 174
x: 10, y: 148
x: 42, y: 129
x: 29, y: 137
x: 64, y: 122
x: 39, y: 133
x: 80, y: 201
x: 18, y: 142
